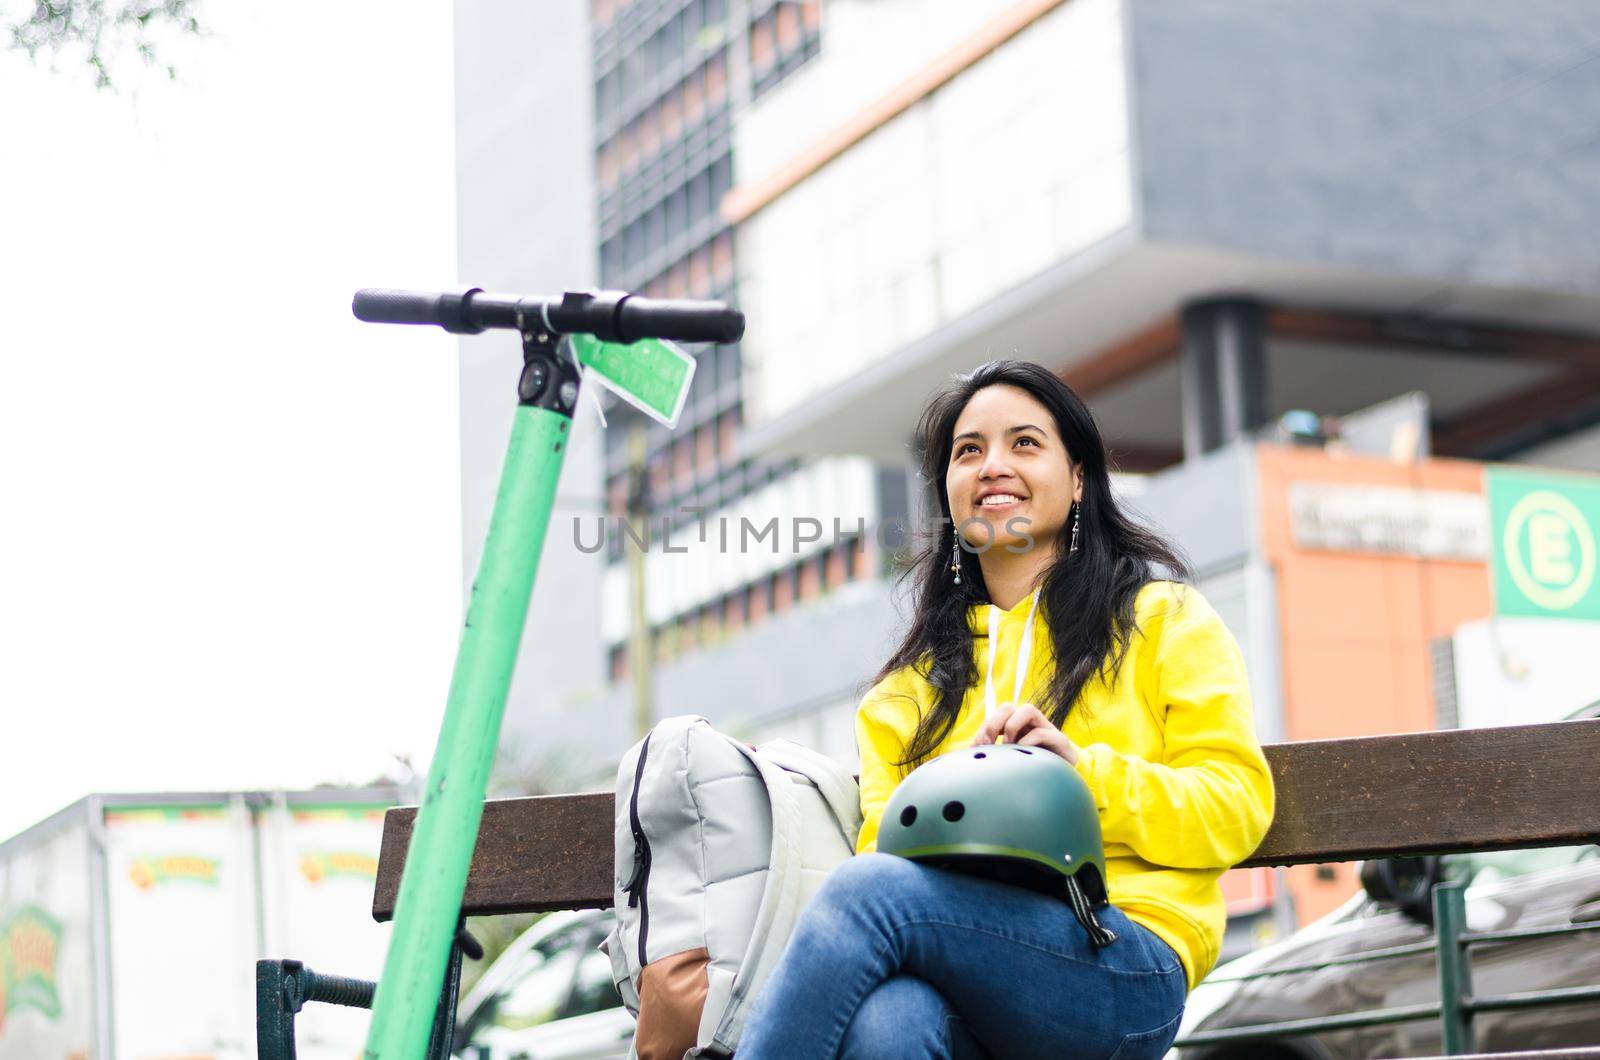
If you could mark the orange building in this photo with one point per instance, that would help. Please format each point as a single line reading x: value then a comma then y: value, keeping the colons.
x: 1371, y: 566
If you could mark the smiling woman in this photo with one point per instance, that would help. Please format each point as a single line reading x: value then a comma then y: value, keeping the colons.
x: 1016, y: 473
x: 1037, y: 584
x: 1024, y: 484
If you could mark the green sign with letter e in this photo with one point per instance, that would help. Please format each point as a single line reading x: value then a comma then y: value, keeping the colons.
x: 1544, y: 533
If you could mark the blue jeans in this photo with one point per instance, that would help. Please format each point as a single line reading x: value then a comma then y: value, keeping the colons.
x: 893, y: 959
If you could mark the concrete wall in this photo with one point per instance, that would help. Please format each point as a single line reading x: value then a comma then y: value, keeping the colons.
x: 1450, y: 140
x: 1203, y: 506
x: 1579, y: 451
x: 947, y: 204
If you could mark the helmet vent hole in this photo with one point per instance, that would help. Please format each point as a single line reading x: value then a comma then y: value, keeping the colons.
x: 908, y: 816
x: 980, y: 754
x: 1024, y: 750
x: 954, y: 811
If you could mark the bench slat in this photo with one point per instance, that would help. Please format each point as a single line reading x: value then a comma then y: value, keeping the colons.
x: 534, y: 855
x: 1338, y: 800
x: 1434, y: 792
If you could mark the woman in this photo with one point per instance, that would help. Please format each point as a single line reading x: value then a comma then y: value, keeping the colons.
x: 1131, y: 679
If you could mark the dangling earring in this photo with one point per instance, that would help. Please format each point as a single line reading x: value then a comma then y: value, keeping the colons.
x: 1077, y: 510
x: 955, y: 557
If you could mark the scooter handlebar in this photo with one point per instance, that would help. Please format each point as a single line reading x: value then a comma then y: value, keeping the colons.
x: 688, y: 321
x: 448, y: 309
x: 614, y: 316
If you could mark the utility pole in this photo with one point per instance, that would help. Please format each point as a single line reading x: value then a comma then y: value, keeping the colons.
x: 641, y: 652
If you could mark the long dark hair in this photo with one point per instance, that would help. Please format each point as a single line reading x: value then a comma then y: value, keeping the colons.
x: 1087, y: 596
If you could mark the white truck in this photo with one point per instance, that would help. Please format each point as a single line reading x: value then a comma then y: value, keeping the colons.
x: 130, y: 924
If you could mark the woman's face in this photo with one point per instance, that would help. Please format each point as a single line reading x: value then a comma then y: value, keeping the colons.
x: 1009, y: 465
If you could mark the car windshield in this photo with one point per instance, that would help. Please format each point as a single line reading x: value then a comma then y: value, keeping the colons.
x: 538, y: 991
x: 594, y: 991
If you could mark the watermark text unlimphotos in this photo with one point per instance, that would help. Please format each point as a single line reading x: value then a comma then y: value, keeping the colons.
x: 741, y: 535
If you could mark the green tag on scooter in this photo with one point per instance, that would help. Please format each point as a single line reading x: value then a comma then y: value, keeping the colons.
x: 652, y: 375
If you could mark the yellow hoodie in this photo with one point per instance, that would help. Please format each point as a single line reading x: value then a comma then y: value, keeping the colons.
x: 1169, y: 751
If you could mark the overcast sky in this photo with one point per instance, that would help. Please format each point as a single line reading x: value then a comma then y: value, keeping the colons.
x: 229, y: 546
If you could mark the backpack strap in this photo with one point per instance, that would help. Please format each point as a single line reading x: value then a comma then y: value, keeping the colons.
x: 838, y: 788
x: 780, y: 901
x: 616, y: 949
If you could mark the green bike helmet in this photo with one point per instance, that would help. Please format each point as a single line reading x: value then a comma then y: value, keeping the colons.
x: 1017, y: 814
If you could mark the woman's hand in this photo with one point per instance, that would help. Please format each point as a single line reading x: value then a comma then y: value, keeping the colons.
x: 1023, y: 724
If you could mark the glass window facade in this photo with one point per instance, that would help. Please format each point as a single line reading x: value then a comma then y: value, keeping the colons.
x: 664, y: 108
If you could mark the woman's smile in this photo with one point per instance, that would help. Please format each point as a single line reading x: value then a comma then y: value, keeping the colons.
x: 1001, y: 502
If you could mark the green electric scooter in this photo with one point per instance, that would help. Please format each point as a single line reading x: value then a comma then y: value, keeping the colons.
x: 616, y: 339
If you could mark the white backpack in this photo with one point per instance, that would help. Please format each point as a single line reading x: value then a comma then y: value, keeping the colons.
x: 718, y: 847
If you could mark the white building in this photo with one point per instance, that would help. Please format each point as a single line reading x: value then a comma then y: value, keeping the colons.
x: 1203, y: 214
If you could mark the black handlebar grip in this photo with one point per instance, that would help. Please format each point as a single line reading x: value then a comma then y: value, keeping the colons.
x: 686, y: 321
x: 448, y: 309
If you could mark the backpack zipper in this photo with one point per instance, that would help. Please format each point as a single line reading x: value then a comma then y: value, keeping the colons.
x: 635, y: 887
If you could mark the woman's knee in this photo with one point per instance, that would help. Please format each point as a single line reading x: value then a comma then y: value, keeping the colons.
x: 849, y: 910
x: 903, y: 1018
x: 866, y: 875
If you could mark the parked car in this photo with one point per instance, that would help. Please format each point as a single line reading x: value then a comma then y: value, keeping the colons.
x: 1506, y: 889
x: 549, y: 996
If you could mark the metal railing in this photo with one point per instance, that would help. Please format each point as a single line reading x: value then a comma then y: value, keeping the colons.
x: 1457, y: 1004
x: 284, y: 986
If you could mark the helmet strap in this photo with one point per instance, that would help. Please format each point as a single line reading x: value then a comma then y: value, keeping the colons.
x: 1099, y: 934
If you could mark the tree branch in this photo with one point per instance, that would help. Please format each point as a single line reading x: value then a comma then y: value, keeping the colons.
x: 102, y: 32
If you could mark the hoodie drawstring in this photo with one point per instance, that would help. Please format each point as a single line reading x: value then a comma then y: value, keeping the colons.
x: 1023, y: 652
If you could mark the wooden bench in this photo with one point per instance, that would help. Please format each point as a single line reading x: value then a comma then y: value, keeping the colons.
x: 1337, y: 800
